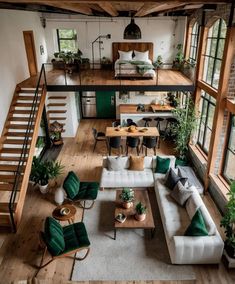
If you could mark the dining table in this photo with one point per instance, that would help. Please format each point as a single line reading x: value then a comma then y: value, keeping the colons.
x: 136, y: 132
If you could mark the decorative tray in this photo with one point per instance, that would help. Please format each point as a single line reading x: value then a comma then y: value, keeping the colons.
x: 120, y: 217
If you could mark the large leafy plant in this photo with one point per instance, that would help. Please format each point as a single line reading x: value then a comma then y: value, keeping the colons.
x: 228, y: 220
x: 186, y: 124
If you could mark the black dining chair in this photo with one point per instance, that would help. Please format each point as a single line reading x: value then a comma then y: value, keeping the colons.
x: 149, y: 143
x: 132, y: 142
x: 99, y: 137
x: 116, y: 143
x: 130, y: 122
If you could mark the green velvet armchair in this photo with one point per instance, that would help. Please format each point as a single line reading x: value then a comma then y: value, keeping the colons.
x: 78, y: 191
x: 63, y: 241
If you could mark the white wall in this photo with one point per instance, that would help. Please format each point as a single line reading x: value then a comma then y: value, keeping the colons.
x: 164, y: 32
x: 14, y: 66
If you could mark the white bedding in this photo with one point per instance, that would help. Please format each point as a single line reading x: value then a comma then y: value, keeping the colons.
x: 130, y: 69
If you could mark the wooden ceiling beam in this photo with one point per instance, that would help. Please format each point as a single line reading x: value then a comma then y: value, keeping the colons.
x: 78, y: 8
x: 109, y: 8
x: 144, y: 10
x: 121, y: 1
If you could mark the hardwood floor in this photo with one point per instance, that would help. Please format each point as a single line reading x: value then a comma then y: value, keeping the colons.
x: 106, y: 77
x: 20, y: 252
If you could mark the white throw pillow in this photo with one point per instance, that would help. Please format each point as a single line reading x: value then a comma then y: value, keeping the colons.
x: 117, y: 163
x: 125, y: 55
x: 141, y: 56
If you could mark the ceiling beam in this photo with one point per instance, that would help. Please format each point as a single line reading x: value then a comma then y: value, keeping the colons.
x: 121, y: 1
x: 144, y: 10
x: 109, y: 8
x: 78, y: 8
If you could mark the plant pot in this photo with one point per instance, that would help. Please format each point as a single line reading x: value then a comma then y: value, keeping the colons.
x: 57, y: 142
x: 43, y: 188
x: 230, y: 250
x: 140, y: 217
x: 127, y: 205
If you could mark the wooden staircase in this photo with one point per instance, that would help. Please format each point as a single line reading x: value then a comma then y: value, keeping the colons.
x: 56, y: 109
x: 17, y: 145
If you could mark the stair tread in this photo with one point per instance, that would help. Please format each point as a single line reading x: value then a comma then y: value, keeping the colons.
x: 18, y: 118
x: 10, y: 159
x: 9, y: 168
x: 12, y: 150
x: 14, y: 141
x: 57, y: 97
x: 22, y: 91
x: 57, y: 118
x: 57, y: 111
x: 6, y: 186
x: 56, y: 104
x: 21, y: 111
x: 18, y: 134
x: 23, y: 104
x: 24, y: 98
x: 17, y: 126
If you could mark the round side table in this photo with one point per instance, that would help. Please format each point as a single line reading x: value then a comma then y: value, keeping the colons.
x: 70, y: 217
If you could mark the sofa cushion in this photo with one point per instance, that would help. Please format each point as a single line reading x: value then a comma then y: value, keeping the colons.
x: 171, y: 157
x: 197, y: 227
x: 71, y: 184
x: 171, y: 179
x: 136, y: 163
x: 180, y: 194
x: 210, y: 225
x: 127, y: 178
x: 117, y: 163
x: 185, y: 171
x: 193, y: 204
x: 53, y: 235
x: 162, y: 165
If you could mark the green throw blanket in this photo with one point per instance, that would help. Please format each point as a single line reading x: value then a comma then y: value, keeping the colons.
x: 142, y: 66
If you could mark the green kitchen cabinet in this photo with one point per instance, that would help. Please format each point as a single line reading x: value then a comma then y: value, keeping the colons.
x: 105, y: 104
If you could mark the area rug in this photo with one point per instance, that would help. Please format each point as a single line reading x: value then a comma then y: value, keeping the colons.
x: 132, y: 256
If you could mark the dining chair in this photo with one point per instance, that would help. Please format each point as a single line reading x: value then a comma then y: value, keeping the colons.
x: 149, y: 143
x: 132, y: 142
x: 99, y: 137
x: 116, y: 143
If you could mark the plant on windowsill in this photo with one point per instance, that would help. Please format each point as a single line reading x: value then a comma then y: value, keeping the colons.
x: 183, y: 129
x: 228, y: 222
x: 127, y: 197
x: 140, y: 209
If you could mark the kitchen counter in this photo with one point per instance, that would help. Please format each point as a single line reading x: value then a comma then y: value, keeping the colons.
x: 132, y: 108
x: 129, y: 111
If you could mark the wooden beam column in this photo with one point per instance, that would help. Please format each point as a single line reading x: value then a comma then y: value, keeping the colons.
x: 221, y: 101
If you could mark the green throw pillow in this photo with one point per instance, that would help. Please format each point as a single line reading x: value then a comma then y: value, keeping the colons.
x: 163, y: 165
x: 197, y: 227
x: 71, y: 185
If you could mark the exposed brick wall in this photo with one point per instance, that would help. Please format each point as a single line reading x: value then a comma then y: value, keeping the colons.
x: 231, y: 87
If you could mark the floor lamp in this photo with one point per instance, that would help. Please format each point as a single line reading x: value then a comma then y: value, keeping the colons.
x: 99, y: 41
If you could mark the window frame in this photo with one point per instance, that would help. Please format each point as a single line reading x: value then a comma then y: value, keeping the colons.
x: 227, y: 147
x: 215, y: 58
x: 209, y: 104
x: 74, y: 38
x: 195, y: 47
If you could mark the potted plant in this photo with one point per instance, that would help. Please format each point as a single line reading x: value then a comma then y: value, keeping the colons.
x: 56, y: 129
x: 85, y: 64
x: 43, y: 171
x: 158, y: 63
x: 179, y: 58
x: 127, y: 197
x: 106, y: 63
x: 182, y: 130
x: 228, y: 222
x: 140, y: 212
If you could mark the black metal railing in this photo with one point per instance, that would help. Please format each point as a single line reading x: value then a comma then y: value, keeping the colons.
x: 22, y: 159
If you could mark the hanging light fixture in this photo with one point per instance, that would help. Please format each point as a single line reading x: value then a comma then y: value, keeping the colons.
x: 132, y: 31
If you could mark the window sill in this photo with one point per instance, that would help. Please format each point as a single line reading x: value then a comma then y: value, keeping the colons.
x: 221, y: 183
x: 202, y: 157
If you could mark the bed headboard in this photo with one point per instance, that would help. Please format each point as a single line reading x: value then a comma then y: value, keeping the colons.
x: 126, y: 46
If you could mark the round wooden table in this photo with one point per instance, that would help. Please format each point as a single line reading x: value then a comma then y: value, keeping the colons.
x: 70, y: 217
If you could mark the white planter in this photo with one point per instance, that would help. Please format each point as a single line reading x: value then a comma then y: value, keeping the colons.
x: 43, y: 188
x: 59, y: 196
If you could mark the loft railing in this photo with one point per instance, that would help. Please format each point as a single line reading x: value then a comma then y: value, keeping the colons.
x: 22, y: 159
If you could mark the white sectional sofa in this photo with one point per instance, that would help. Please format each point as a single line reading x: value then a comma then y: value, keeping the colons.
x: 175, y: 219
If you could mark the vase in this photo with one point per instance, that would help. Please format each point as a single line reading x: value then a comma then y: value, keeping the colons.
x: 127, y: 205
x: 59, y: 196
x: 140, y: 217
x: 43, y: 188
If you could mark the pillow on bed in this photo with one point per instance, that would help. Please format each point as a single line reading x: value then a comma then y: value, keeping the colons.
x: 141, y: 56
x: 125, y: 55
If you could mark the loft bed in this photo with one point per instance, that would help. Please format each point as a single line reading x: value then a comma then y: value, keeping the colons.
x: 133, y: 60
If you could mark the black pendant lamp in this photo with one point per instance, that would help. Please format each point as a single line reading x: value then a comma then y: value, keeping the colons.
x: 132, y: 31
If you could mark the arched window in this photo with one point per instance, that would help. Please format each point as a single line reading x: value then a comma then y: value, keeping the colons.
x: 214, y: 53
x: 194, y: 43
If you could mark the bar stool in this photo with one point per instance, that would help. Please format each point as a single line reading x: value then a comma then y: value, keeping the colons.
x: 158, y: 125
x: 170, y: 121
x: 146, y: 120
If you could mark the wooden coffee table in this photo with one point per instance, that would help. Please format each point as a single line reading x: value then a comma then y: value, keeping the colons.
x: 70, y: 217
x: 131, y: 222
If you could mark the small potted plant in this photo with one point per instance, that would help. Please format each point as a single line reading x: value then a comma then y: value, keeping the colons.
x: 56, y: 129
x: 179, y: 58
x: 228, y: 222
x: 106, y: 63
x: 158, y: 63
x: 140, y: 209
x: 127, y: 197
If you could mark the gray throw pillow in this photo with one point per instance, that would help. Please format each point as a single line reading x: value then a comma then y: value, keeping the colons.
x: 180, y: 193
x: 117, y: 163
x: 172, y: 178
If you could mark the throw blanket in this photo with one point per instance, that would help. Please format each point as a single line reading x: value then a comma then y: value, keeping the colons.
x: 141, y: 66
